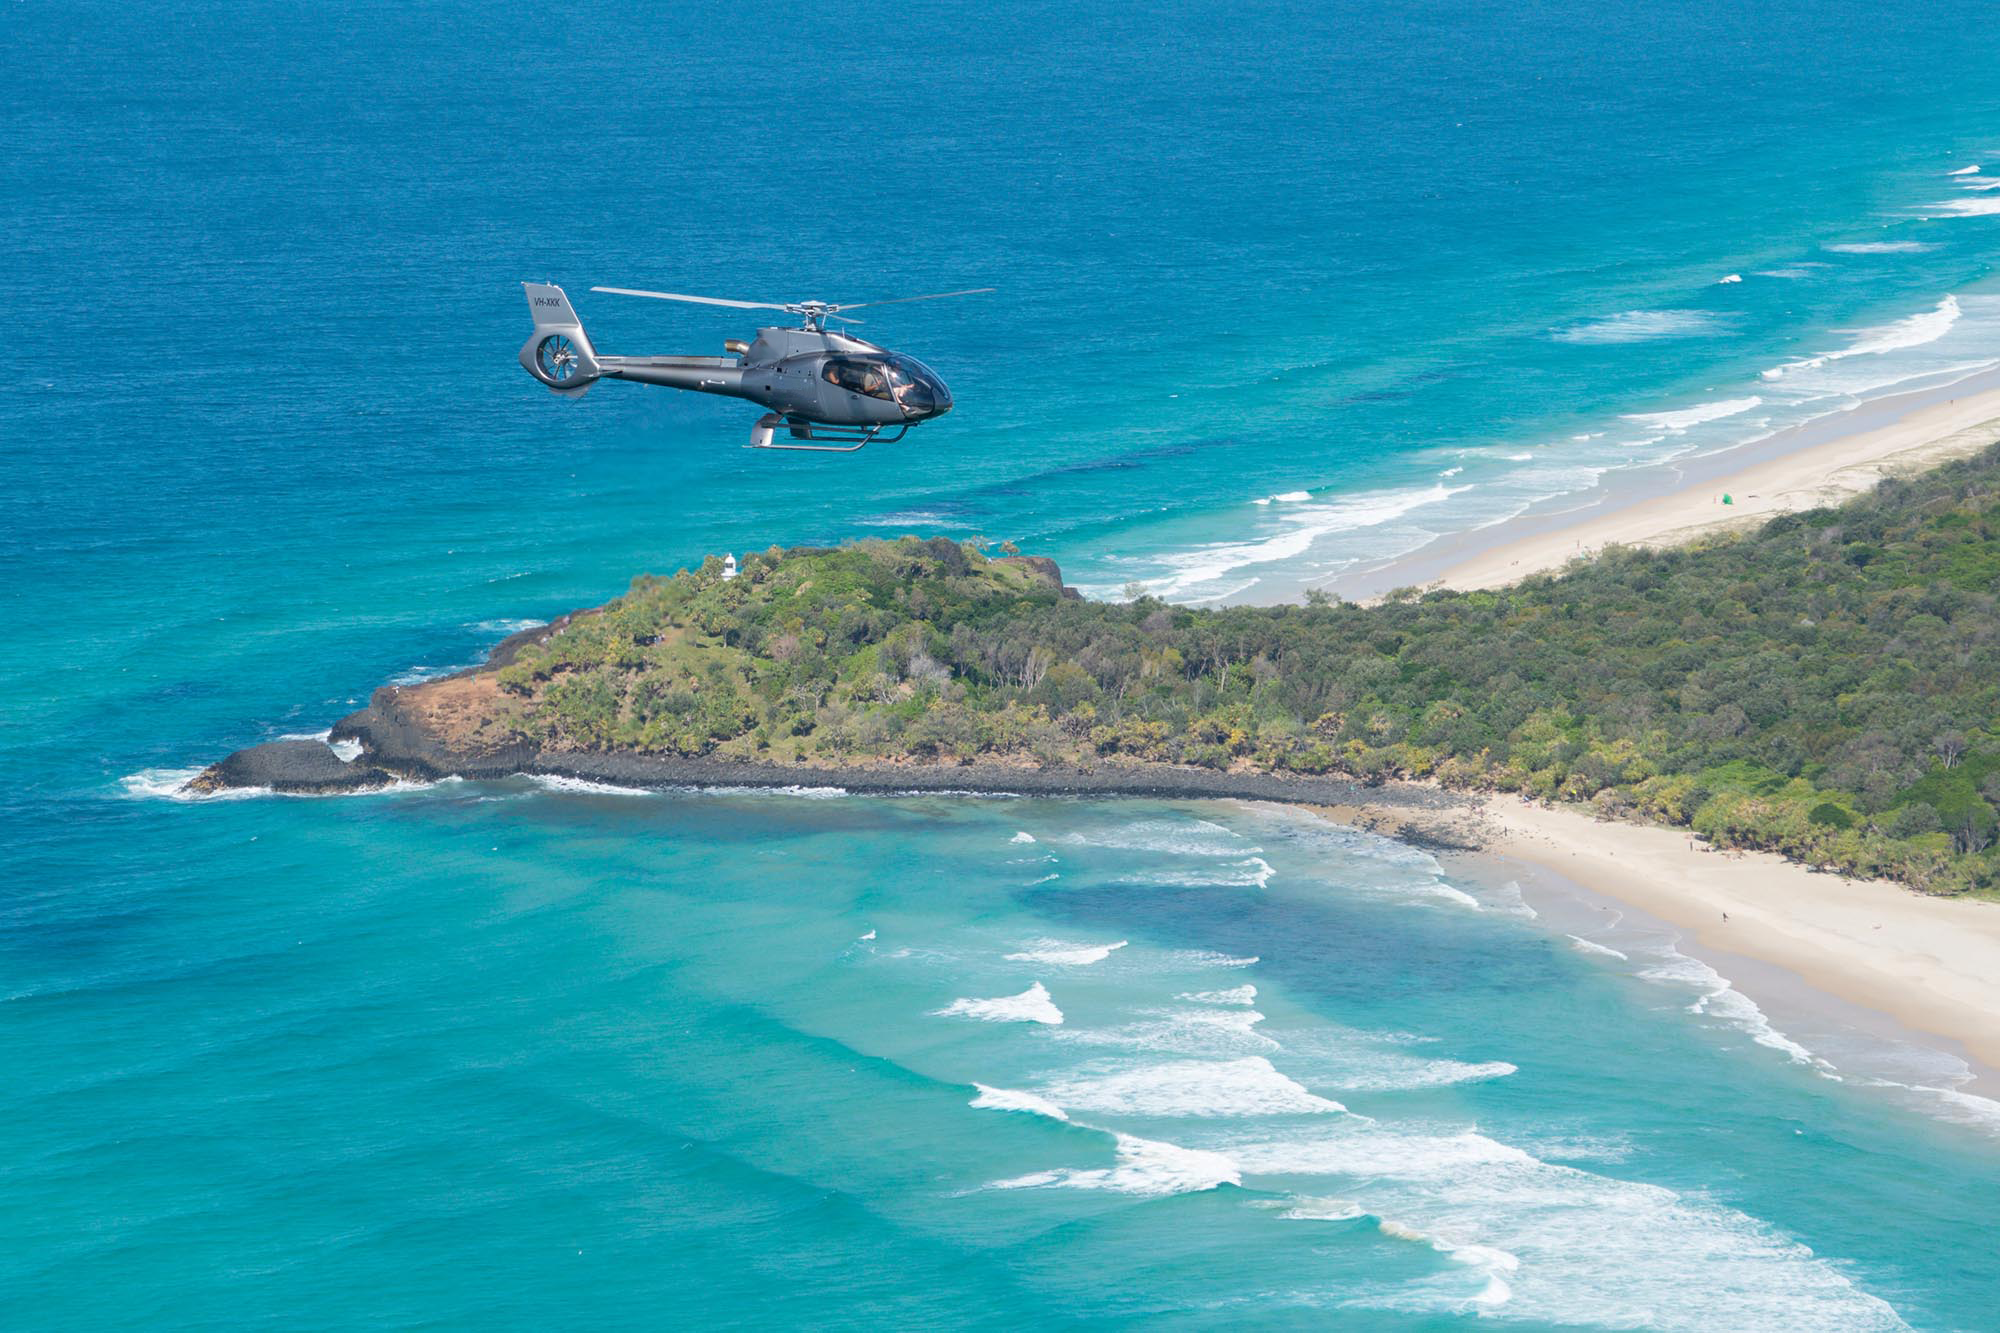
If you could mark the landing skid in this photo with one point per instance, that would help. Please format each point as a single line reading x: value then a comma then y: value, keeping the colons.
x: 846, y: 439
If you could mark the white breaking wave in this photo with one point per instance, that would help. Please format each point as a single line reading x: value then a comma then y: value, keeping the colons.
x: 171, y: 784
x: 1245, y: 994
x: 1208, y: 1031
x: 797, y: 792
x: 420, y: 673
x: 1308, y: 1208
x: 1196, y: 837
x: 1438, y: 891
x: 1509, y: 901
x: 1722, y: 1001
x: 1913, y: 331
x: 1726, y: 279
x: 1683, y: 418
x: 1022, y: 837
x: 909, y: 518
x: 1981, y: 207
x: 1057, y: 953
x: 1980, y: 185
x: 1251, y: 872
x: 1881, y: 248
x: 1293, y: 497
x: 1206, y: 564
x: 1569, y: 1247
x: 1582, y: 945
x: 1032, y: 1005
x: 1404, y: 1074
x: 1208, y: 958
x: 1492, y: 1264
x: 163, y: 784
x: 584, y: 786
x: 1007, y: 1099
x: 1362, y: 1149
x: 1630, y: 326
x: 507, y: 626
x: 1145, y: 1166
x: 1205, y: 1088
x: 1972, y: 170
x: 1965, y: 1108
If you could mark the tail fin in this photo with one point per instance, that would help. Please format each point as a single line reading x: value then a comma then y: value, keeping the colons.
x: 558, y: 353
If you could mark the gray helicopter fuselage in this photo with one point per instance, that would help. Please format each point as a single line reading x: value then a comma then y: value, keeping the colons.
x: 808, y: 375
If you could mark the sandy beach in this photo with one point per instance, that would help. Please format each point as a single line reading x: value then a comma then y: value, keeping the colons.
x: 1932, y: 964
x: 1819, y: 463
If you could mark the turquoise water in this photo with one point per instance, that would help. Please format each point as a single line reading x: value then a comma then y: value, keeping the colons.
x: 516, y: 1056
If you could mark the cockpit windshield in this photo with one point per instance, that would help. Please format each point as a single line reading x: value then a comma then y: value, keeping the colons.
x: 898, y: 379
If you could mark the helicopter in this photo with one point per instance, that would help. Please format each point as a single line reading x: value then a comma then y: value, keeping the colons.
x: 828, y: 391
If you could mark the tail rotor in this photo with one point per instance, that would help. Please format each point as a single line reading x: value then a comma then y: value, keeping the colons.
x: 558, y: 353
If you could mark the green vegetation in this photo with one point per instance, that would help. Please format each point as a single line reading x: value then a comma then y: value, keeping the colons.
x: 1827, y: 687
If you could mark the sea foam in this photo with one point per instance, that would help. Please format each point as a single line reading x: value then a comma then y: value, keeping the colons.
x: 1631, y: 326
x: 1210, y: 1030
x: 1981, y: 207
x: 1032, y: 1005
x: 1243, y: 995
x: 1569, y: 1246
x: 1881, y: 248
x: 1145, y: 1167
x: 1007, y: 1099
x: 1686, y: 417
x: 1582, y: 945
x: 1196, y: 571
x: 1912, y: 331
x: 162, y: 784
x: 1059, y: 953
x: 1247, y: 1087
x: 1721, y: 1001
x: 585, y: 787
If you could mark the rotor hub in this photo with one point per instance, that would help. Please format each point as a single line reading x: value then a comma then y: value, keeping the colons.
x: 556, y: 355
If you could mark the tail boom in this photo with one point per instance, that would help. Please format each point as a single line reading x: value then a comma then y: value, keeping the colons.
x: 559, y: 354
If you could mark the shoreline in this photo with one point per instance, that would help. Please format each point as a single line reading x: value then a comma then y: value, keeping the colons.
x: 1423, y: 815
x: 1930, y: 965
x: 1928, y: 968
x: 1817, y: 463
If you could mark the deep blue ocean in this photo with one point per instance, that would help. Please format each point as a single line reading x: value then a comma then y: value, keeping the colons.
x: 1282, y: 290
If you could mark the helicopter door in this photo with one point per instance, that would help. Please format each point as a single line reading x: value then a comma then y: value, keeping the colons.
x: 847, y: 379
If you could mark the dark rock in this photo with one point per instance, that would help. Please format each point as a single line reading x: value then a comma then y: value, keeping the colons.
x: 291, y: 766
x: 1045, y: 569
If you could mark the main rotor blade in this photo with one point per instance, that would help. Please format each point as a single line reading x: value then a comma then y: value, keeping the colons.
x: 904, y: 300
x: 698, y: 300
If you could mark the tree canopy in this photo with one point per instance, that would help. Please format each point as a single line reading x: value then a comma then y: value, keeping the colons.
x: 1827, y: 686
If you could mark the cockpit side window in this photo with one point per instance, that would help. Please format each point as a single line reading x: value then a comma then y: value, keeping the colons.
x: 864, y: 377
